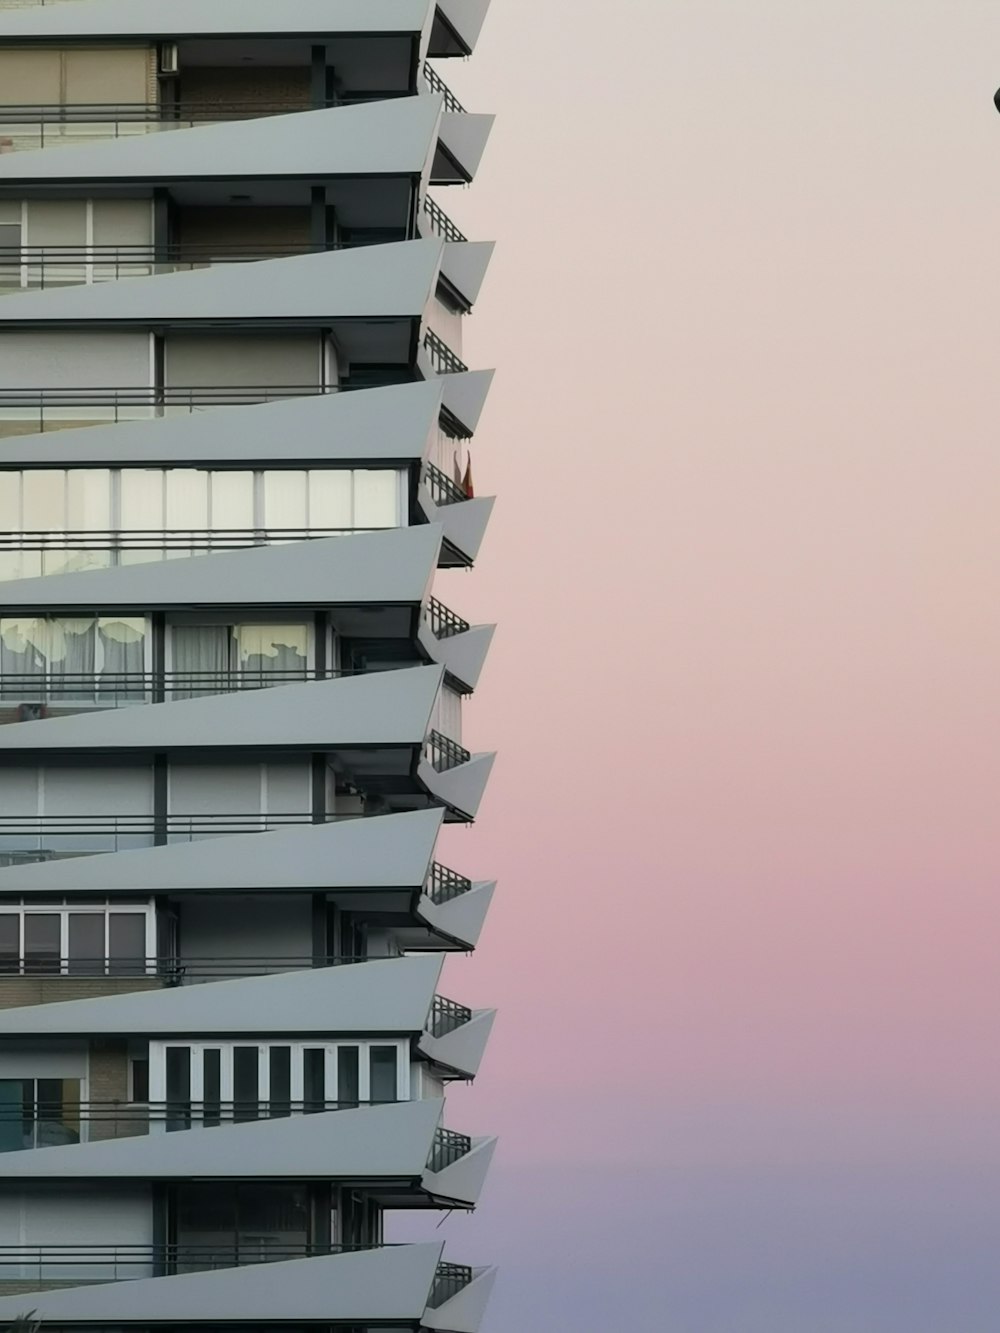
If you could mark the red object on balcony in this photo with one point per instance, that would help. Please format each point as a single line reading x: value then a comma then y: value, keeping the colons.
x: 467, y: 481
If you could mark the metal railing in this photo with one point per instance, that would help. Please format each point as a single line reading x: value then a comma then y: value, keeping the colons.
x: 443, y: 753
x: 69, y: 406
x: 112, y: 689
x: 101, y: 1263
x: 448, y: 1148
x: 444, y: 491
x: 449, y: 1280
x: 38, y: 267
x: 444, y: 885
x: 43, y: 1124
x: 115, y: 832
x: 172, y: 971
x: 445, y: 624
x: 441, y: 222
x: 437, y: 85
x: 443, y: 359
x: 447, y: 1015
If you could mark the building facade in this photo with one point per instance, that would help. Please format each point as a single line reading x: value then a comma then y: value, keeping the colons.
x: 234, y: 456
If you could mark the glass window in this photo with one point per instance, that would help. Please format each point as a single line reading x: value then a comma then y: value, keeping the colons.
x: 285, y: 499
x: 200, y: 659
x: 348, y: 1076
x: 88, y: 500
x: 212, y: 1074
x: 10, y: 254
x: 232, y: 501
x: 140, y: 1079
x: 330, y: 499
x: 86, y: 943
x: 382, y: 1070
x: 10, y: 942
x: 246, y: 1082
x: 187, y: 501
x: 280, y: 1090
x: 141, y: 491
x: 314, y: 1078
x: 42, y: 942
x: 178, y: 1070
x: 376, y: 498
x: 126, y: 943
x: 122, y: 646
x: 44, y: 500
x: 280, y: 650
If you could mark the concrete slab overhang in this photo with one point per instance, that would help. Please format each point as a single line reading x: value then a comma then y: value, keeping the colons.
x: 460, y: 1051
x: 392, y: 282
x: 464, y: 525
x: 394, y: 138
x: 389, y: 1285
x: 394, y: 423
x: 392, y: 568
x: 388, y: 852
x: 381, y: 996
x: 457, y: 25
x: 383, y: 709
x: 103, y: 19
x: 463, y: 139
x: 465, y: 396
x: 464, y: 267
x: 461, y: 789
x: 380, y: 1146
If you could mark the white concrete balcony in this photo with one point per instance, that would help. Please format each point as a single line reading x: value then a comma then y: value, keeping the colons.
x: 405, y: 1285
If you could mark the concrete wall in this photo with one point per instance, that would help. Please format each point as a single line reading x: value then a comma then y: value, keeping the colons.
x: 248, y: 927
x: 18, y: 991
x: 260, y: 84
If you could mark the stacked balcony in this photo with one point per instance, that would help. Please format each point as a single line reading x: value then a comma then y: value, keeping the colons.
x: 236, y: 420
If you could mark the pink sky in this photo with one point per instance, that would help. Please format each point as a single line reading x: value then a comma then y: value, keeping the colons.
x: 746, y: 687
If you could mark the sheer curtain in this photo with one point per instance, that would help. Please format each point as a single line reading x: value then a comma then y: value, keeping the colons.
x: 204, y: 650
x: 123, y: 654
x: 277, y: 651
x: 72, y: 657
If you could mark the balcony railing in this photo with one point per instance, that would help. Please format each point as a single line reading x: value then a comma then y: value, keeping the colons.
x: 113, y: 689
x: 93, y: 833
x: 441, y: 222
x: 54, y: 408
x: 171, y: 971
x: 443, y: 622
x: 43, y: 1124
x: 447, y: 1016
x: 443, y: 753
x: 103, y: 1263
x: 443, y: 359
x: 437, y: 85
x: 444, y: 885
x: 443, y: 490
x: 32, y: 267
x: 449, y: 1148
x: 448, y: 1282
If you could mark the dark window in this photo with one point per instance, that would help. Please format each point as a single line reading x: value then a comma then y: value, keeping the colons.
x: 382, y: 1071
x: 126, y: 943
x: 246, y: 1085
x: 140, y: 1080
x: 280, y: 1091
x: 348, y: 1080
x: 41, y: 942
x: 314, y: 1078
x: 212, y: 1073
x: 86, y: 943
x: 10, y: 942
x: 178, y: 1087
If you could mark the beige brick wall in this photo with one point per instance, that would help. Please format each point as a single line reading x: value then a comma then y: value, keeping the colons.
x: 259, y: 85
x: 18, y: 991
x: 271, y: 228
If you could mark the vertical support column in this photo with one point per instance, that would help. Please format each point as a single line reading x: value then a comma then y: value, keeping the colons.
x: 318, y: 786
x: 160, y: 799
x: 317, y: 218
x: 161, y: 225
x: 317, y: 78
x: 159, y: 627
x: 321, y: 635
x: 320, y: 930
x: 320, y: 1217
x: 162, y: 1239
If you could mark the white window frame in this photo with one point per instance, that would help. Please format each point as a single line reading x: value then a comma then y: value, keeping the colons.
x: 63, y: 910
x: 158, y: 1066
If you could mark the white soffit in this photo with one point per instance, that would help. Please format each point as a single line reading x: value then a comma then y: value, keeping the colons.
x: 383, y: 852
x: 390, y: 281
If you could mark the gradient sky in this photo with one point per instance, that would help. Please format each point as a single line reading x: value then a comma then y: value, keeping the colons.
x: 746, y: 688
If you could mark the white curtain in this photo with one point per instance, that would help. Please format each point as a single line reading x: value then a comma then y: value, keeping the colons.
x: 204, y: 650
